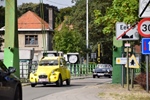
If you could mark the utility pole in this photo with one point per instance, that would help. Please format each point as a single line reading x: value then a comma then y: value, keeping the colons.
x: 11, y: 51
x: 87, y: 37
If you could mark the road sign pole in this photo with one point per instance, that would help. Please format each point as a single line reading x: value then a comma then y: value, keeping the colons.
x: 147, y: 83
x: 128, y: 67
x: 122, y: 74
x: 132, y: 77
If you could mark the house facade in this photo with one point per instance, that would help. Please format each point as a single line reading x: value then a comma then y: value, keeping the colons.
x: 33, y: 33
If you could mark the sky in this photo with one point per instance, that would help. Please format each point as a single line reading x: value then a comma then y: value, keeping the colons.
x: 58, y: 3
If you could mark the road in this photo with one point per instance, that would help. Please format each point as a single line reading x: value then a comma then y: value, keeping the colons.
x: 30, y: 93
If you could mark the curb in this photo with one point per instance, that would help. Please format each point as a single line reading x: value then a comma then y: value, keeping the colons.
x: 74, y: 78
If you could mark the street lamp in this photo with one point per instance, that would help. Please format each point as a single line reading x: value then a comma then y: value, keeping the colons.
x: 87, y: 37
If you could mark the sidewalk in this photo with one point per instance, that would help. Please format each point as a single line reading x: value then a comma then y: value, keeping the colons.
x: 84, y: 93
x: 106, y: 91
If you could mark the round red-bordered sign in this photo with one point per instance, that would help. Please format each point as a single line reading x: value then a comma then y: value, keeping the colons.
x: 144, y: 27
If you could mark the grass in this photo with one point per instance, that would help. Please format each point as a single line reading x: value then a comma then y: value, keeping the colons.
x: 117, y: 92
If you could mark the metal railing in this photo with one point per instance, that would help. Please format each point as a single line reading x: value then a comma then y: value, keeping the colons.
x: 75, y: 69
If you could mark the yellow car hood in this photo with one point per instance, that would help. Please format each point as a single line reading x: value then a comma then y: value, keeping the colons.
x: 45, y: 69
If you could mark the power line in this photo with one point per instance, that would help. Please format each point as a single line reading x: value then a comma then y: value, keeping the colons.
x: 57, y: 3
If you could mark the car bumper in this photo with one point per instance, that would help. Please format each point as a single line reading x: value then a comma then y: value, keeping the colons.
x: 101, y: 74
x: 43, y: 81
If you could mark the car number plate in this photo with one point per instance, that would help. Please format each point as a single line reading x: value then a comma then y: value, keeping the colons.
x: 100, y: 74
x: 43, y: 80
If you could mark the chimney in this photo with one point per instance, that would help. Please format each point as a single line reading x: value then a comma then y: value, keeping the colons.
x: 51, y: 17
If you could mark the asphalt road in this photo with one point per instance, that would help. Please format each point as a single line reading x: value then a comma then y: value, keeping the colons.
x: 30, y: 93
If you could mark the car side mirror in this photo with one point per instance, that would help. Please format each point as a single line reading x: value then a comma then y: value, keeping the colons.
x: 11, y: 69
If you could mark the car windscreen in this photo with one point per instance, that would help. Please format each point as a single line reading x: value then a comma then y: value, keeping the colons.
x: 103, y: 66
x: 48, y: 62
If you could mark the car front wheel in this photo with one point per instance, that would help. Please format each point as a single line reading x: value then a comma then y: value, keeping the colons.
x: 68, y: 81
x: 33, y: 85
x: 93, y: 76
x: 59, y: 82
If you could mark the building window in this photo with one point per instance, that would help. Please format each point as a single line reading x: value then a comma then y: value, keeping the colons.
x: 31, y: 39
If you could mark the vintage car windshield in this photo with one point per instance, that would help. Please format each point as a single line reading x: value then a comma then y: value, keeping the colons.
x: 103, y: 66
x: 48, y: 62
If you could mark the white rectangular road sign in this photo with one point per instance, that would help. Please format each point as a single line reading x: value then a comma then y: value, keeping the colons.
x: 123, y: 60
x: 142, y: 5
x: 127, y: 45
x: 131, y: 34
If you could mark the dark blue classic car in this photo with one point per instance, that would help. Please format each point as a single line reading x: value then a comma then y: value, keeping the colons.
x: 10, y: 86
x: 102, y: 70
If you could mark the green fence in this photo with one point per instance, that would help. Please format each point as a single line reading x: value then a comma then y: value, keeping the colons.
x: 81, y: 69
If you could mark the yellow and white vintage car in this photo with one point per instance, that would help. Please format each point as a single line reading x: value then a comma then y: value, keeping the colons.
x: 51, y: 70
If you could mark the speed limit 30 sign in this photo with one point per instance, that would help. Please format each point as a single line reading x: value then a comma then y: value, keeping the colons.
x: 144, y: 27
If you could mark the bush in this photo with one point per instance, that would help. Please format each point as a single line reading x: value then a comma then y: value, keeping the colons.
x: 141, y: 80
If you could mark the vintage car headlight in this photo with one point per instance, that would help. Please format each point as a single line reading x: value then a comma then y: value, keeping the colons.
x: 53, y: 71
x: 35, y: 74
x: 108, y: 70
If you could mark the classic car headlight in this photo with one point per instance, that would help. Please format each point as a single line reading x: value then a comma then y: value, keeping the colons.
x: 35, y: 74
x: 53, y: 71
x: 108, y: 70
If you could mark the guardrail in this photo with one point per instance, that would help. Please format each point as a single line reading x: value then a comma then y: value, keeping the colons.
x: 81, y: 69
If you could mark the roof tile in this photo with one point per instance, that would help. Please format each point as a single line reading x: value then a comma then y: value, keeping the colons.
x: 30, y: 20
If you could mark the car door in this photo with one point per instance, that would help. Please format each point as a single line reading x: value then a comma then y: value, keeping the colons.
x: 6, y: 91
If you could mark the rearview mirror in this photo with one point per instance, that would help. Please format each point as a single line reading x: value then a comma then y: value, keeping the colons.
x: 11, y: 69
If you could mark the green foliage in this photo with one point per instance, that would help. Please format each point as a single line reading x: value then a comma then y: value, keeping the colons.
x: 68, y: 40
x: 60, y: 17
x: 95, y: 33
x: 27, y: 7
x: 78, y: 19
x: 121, y: 11
x: 40, y: 9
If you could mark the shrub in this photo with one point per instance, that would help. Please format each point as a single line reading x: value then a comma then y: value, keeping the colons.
x: 141, y: 80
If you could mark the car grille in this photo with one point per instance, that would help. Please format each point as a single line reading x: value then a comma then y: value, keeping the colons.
x: 42, y: 76
x: 100, y: 72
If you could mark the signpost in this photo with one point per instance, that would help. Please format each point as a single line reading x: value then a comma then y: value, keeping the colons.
x: 145, y: 45
x: 126, y: 32
x: 133, y: 63
x: 144, y: 27
x: 144, y: 8
x: 123, y: 60
x: 146, y: 51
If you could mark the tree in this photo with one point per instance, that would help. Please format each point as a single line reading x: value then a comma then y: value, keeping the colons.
x: 60, y: 17
x: 28, y: 7
x: 121, y: 11
x: 78, y: 20
x: 68, y: 40
x: 40, y: 9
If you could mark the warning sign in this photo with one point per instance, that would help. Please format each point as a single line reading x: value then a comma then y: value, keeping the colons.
x: 133, y: 62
